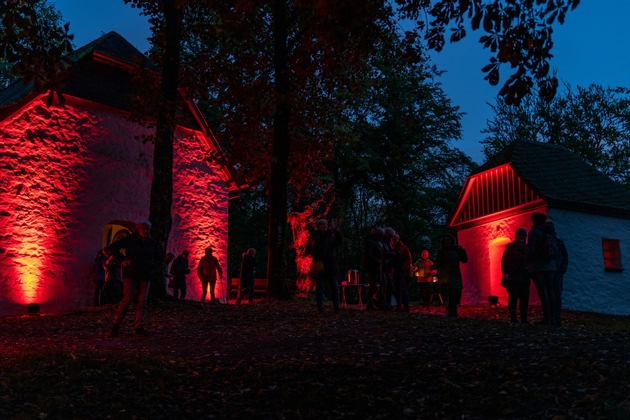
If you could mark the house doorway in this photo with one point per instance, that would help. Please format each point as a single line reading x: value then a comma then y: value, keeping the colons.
x: 496, y: 248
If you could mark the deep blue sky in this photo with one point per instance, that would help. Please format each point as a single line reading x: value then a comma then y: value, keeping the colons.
x: 591, y: 47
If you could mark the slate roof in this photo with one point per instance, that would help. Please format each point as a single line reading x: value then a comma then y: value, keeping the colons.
x: 107, y: 83
x: 562, y: 178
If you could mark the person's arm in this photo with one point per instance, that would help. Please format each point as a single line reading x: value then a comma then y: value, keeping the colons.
x: 463, y: 256
x: 219, y: 269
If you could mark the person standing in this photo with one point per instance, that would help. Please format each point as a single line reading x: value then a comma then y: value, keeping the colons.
x: 447, y: 261
x: 113, y: 278
x: 142, y: 260
x: 179, y: 269
x: 426, y: 271
x: 323, y: 243
x: 516, y: 279
x: 401, y: 265
x: 562, y: 264
x: 99, y: 285
x: 542, y: 264
x: 248, y: 273
x: 373, y: 253
x: 207, y: 272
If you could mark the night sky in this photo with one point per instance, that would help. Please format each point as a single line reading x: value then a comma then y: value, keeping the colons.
x: 591, y: 47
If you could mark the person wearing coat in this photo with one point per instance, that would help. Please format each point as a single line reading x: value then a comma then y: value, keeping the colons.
x: 542, y: 269
x: 323, y: 244
x: 179, y: 270
x: 447, y: 262
x: 207, y: 270
x: 516, y: 278
x: 248, y: 273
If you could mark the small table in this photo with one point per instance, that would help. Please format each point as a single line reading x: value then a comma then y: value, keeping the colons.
x: 344, y: 285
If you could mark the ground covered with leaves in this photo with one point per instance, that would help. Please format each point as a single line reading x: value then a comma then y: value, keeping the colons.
x: 281, y: 360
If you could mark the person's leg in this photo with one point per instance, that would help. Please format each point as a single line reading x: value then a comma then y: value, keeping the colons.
x: 143, y: 293
x: 334, y: 291
x: 250, y: 290
x: 121, y: 311
x: 404, y: 293
x: 539, y: 282
x: 320, y: 284
x: 524, y: 301
x: 451, y: 307
x: 204, y: 290
x: 212, y: 285
x: 554, y: 314
x: 512, y: 300
x: 128, y: 286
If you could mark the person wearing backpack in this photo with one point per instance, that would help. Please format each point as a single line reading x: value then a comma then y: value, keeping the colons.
x: 542, y: 249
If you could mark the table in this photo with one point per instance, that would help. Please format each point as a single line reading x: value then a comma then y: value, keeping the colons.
x: 344, y: 285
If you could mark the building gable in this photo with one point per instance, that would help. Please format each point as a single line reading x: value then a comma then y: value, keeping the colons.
x: 491, y: 195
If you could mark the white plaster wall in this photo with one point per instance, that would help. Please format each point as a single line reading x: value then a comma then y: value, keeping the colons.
x: 587, y: 287
x: 69, y: 171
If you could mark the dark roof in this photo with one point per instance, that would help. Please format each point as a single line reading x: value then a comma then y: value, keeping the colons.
x: 562, y: 178
x: 111, y: 45
x: 101, y: 72
x: 114, y: 46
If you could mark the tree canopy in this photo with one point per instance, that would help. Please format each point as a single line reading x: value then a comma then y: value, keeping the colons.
x: 593, y: 122
x: 289, y: 61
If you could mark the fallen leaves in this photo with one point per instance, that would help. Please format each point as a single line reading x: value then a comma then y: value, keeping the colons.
x: 281, y: 360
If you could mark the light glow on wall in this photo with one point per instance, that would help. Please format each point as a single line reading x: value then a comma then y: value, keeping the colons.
x: 66, y: 174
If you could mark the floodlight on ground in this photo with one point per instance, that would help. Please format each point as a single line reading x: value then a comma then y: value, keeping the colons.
x: 33, y: 308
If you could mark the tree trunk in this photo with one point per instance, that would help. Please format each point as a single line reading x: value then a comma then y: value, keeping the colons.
x: 162, y: 184
x: 277, y: 227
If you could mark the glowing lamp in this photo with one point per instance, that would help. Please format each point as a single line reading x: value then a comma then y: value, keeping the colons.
x: 33, y: 308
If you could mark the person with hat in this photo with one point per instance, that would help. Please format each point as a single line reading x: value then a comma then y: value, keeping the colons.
x: 516, y: 278
x: 207, y: 272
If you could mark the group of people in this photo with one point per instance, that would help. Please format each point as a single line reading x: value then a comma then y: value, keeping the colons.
x: 136, y: 260
x: 538, y: 256
x: 126, y: 267
x: 387, y: 262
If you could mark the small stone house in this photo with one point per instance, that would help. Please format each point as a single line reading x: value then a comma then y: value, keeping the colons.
x: 75, y: 176
x: 590, y: 212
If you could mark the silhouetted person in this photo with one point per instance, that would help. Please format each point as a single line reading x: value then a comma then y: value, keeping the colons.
x: 447, y: 261
x: 99, y: 280
x: 207, y: 272
x: 562, y: 264
x: 179, y: 270
x: 248, y: 273
x: 142, y: 261
x: 516, y: 278
x: 542, y: 267
x: 426, y: 271
x: 373, y: 264
x: 323, y: 244
x: 401, y: 270
x: 113, y: 289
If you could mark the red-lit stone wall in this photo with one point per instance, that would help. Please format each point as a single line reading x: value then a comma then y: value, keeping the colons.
x: 484, y: 245
x: 66, y: 172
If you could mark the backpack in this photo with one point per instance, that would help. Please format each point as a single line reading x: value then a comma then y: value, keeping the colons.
x: 548, y: 247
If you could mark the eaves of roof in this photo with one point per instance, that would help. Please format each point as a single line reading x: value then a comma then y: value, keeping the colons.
x: 562, y: 178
